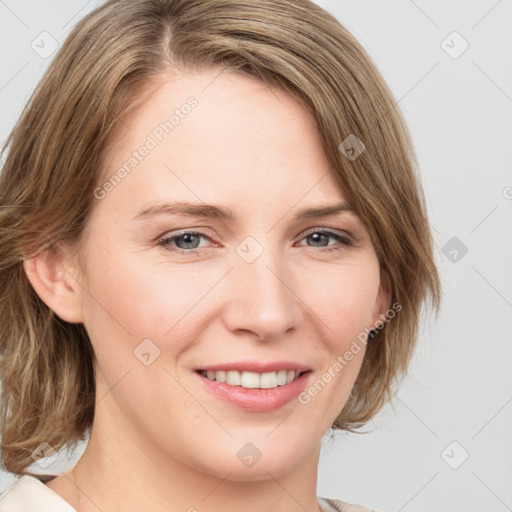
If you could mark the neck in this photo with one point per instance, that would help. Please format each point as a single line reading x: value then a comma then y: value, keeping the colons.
x: 123, y: 469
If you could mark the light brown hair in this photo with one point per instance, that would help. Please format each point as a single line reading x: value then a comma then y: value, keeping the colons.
x: 54, y: 163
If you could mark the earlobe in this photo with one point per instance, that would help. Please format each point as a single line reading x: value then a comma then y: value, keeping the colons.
x: 55, y: 284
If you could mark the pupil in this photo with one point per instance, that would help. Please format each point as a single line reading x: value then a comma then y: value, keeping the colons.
x: 187, y: 240
x: 316, y: 236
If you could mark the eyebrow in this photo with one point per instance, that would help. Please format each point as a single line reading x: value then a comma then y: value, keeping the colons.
x: 211, y: 211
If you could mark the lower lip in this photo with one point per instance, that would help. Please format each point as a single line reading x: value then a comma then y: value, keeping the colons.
x: 256, y: 400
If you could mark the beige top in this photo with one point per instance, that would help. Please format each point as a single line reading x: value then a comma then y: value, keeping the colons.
x: 30, y: 494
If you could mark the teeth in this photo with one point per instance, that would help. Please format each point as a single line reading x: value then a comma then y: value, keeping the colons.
x: 282, y: 377
x: 252, y: 380
x: 249, y: 380
x: 268, y: 380
x: 233, y: 378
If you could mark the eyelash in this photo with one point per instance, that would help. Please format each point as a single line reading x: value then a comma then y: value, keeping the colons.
x: 166, y: 241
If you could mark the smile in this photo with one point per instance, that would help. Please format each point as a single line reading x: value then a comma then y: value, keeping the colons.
x: 255, y: 387
x: 252, y: 380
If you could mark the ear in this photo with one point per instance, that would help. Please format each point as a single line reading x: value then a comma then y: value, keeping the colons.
x: 56, y: 283
x: 382, y: 304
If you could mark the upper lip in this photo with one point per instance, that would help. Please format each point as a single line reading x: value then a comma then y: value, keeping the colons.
x: 256, y: 366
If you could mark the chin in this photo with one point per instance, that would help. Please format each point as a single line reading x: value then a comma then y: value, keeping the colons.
x: 260, y: 471
x: 248, y: 461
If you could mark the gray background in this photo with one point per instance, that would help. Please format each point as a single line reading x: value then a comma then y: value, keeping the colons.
x: 456, y: 402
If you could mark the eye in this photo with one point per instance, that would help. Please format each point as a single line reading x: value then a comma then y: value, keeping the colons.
x: 185, y: 242
x: 319, y: 236
x: 188, y: 242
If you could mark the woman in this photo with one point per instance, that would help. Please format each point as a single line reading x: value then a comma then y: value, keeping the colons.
x: 214, y: 249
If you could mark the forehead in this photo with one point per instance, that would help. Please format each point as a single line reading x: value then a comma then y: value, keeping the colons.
x: 224, y: 102
x: 217, y: 135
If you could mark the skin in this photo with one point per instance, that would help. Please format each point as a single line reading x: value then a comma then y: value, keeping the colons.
x: 160, y: 441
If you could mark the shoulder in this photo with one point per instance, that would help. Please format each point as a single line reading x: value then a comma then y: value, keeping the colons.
x: 332, y: 505
x: 30, y: 493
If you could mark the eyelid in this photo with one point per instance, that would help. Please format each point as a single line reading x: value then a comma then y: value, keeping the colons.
x: 200, y: 232
x: 210, y: 233
x: 320, y: 229
x: 343, y: 238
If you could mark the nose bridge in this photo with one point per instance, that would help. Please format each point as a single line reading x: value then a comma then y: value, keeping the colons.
x: 262, y: 300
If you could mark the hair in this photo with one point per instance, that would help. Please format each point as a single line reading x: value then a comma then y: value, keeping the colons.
x: 55, y: 159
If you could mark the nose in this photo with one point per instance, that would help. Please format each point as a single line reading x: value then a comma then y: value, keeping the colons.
x: 263, y: 295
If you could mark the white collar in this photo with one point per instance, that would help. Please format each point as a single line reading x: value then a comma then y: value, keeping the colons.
x: 30, y: 493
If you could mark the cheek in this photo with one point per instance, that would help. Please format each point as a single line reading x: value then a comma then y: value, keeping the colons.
x: 346, y: 298
x: 133, y: 297
x: 151, y: 299
x: 143, y: 298
x: 130, y: 301
x: 131, y: 313
x: 346, y: 305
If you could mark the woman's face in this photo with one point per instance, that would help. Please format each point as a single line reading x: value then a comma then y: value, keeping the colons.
x: 168, y: 294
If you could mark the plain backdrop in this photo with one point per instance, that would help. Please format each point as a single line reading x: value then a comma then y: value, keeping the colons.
x: 444, y: 444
